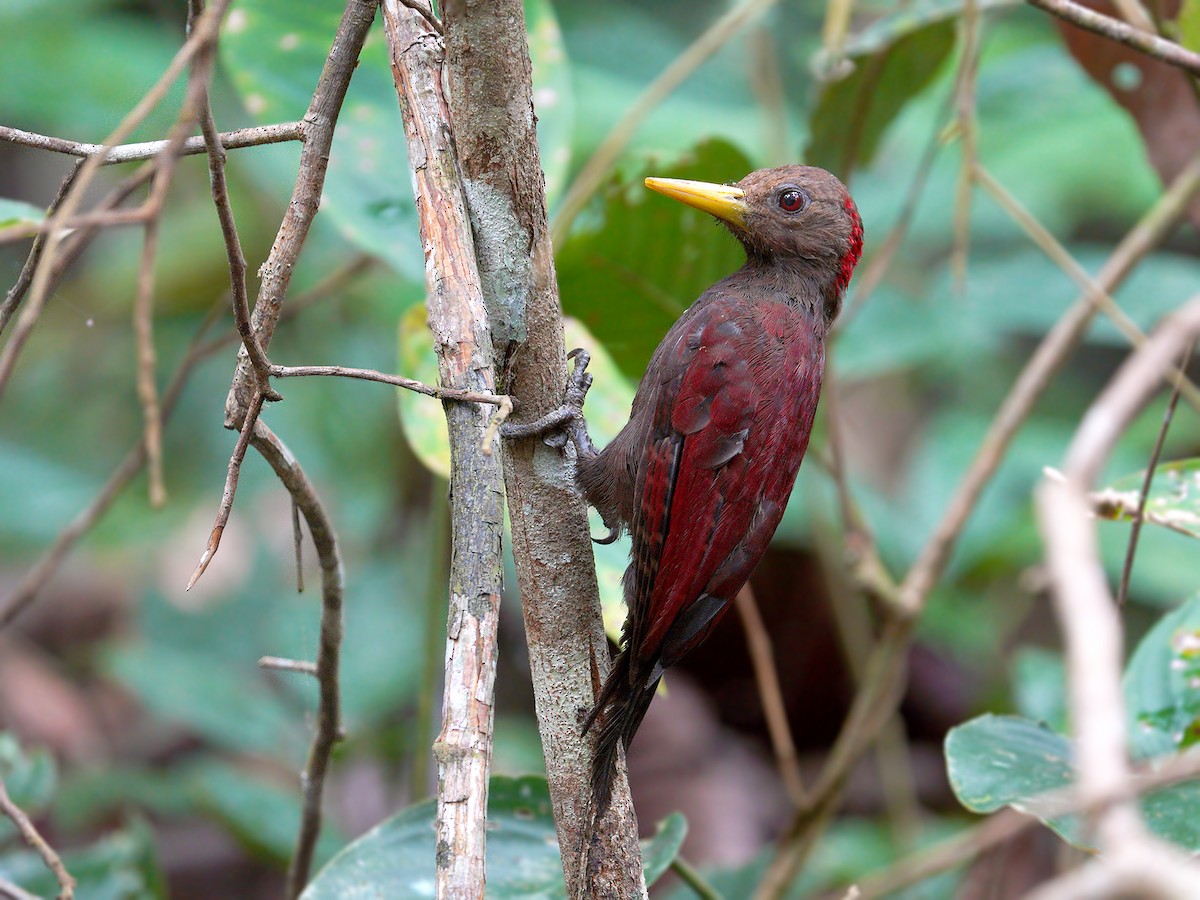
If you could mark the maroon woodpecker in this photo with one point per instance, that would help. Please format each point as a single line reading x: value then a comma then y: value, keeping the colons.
x: 701, y: 473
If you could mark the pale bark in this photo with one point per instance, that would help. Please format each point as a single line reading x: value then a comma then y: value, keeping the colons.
x: 464, y: 348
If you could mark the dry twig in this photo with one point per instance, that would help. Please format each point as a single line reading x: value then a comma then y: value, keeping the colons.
x: 33, y: 838
x: 1116, y: 30
x: 123, y: 153
x: 329, y: 725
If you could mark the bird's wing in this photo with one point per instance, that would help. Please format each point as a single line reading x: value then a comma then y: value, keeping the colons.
x: 716, y: 469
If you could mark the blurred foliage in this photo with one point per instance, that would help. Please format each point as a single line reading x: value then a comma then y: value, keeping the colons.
x: 922, y: 362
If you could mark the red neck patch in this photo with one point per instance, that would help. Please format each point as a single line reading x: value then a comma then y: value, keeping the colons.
x: 854, y: 253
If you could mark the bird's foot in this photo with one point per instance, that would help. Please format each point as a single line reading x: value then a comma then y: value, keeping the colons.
x: 565, y: 423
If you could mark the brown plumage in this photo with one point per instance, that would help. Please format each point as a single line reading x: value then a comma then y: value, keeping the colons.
x: 701, y: 473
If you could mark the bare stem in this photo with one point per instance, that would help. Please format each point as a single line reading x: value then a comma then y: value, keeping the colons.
x: 329, y: 722
x: 123, y: 153
x: 34, y: 839
x: 1139, y: 517
x: 1113, y: 29
x: 762, y: 658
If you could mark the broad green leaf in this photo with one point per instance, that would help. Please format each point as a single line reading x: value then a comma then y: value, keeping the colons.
x: 275, y: 49
x: 1173, y: 500
x: 1162, y: 685
x: 996, y: 761
x: 18, y: 212
x: 886, y: 68
x: 637, y: 260
x: 263, y: 816
x: 120, y: 866
x: 397, y: 858
x: 229, y: 706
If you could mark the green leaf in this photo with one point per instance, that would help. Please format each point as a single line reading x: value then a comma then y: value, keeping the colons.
x: 397, y: 857
x: 1173, y: 500
x: 638, y: 260
x: 275, y: 50
x: 231, y: 707
x: 1162, y: 685
x: 120, y: 866
x: 996, y: 761
x: 18, y: 212
x: 886, y: 67
x: 262, y: 815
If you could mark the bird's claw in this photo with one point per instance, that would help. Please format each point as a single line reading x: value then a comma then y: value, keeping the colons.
x: 565, y: 423
x: 610, y: 538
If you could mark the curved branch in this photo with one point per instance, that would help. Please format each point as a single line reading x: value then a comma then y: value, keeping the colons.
x: 1116, y: 30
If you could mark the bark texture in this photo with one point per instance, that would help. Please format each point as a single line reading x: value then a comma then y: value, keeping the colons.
x: 464, y: 348
x: 491, y: 101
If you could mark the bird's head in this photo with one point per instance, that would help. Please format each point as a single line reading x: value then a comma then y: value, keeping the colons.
x: 794, y: 216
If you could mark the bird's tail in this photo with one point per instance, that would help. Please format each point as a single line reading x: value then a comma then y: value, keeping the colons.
x: 620, y: 709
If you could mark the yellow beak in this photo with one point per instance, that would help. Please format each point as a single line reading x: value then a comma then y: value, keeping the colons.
x: 721, y: 200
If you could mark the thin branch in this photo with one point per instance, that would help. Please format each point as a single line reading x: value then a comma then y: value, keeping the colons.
x: 31, y: 836
x: 257, y: 136
x: 147, y: 389
x: 71, y: 249
x: 231, y: 483
x: 282, y: 664
x: 970, y: 29
x: 10, y: 891
x: 596, y: 169
x: 762, y: 658
x: 329, y: 722
x: 1139, y: 517
x: 17, y: 291
x: 694, y: 880
x: 1101, y: 296
x: 1113, y: 29
x: 229, y: 232
x: 298, y: 547
x: 400, y: 381
x: 319, y: 122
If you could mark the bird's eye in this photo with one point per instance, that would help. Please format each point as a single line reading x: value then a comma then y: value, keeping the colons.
x: 793, y: 200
